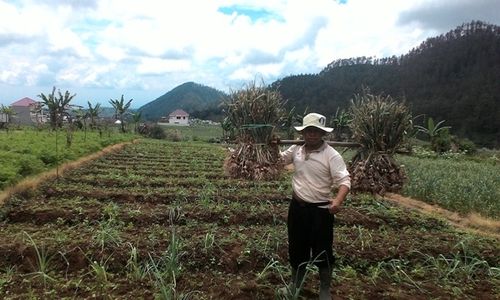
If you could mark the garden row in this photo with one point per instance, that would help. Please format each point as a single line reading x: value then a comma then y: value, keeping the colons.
x: 162, y: 219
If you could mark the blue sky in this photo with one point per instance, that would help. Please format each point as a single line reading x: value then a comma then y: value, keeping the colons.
x: 101, y: 49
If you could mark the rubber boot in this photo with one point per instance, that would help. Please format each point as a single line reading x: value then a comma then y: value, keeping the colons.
x: 325, y: 279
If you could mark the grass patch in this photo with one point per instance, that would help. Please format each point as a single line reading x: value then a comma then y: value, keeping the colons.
x: 29, y: 152
x: 459, y: 185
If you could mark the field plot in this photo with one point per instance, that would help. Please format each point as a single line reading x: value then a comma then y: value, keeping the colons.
x: 161, y: 220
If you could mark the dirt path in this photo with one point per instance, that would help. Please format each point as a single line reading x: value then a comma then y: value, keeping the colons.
x: 472, y: 222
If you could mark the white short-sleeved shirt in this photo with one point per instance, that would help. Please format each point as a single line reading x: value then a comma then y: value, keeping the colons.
x: 317, y: 172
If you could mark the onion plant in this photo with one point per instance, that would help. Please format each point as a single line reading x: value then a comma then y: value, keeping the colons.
x: 381, y: 125
x: 254, y: 111
x: 43, y: 261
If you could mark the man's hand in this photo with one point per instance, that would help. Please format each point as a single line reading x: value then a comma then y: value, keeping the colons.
x: 335, y: 206
x: 275, y: 140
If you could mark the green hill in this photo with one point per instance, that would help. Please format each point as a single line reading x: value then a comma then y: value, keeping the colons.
x: 196, y: 99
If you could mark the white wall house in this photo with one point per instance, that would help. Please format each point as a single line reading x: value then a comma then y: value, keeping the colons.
x: 178, y: 117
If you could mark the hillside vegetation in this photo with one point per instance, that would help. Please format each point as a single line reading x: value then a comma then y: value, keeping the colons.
x: 452, y: 77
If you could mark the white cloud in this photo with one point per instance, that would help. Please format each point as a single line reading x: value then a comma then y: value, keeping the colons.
x: 150, y: 46
x: 150, y: 65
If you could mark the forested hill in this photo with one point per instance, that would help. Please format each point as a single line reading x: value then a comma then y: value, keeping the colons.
x: 453, y: 77
x: 198, y: 100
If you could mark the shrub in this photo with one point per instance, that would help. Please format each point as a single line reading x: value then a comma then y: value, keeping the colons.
x: 7, y: 177
x: 174, y: 135
x: 441, y: 142
x: 49, y: 158
x: 465, y: 145
x: 153, y: 131
x: 29, y: 166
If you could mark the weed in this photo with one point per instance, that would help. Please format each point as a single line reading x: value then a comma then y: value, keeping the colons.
x: 208, y: 242
x: 101, y: 275
x: 107, y: 233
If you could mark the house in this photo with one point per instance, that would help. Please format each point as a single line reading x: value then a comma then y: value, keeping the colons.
x: 25, y: 112
x: 177, y: 117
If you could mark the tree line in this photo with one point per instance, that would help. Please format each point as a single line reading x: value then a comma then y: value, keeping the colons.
x: 452, y: 77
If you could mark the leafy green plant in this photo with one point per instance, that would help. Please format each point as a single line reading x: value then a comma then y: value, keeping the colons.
x: 99, y: 270
x: 93, y: 113
x: 340, y: 124
x: 432, y: 129
x: 166, y: 269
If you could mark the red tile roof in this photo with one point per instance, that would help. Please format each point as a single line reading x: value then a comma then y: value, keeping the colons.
x: 178, y: 112
x: 25, y: 102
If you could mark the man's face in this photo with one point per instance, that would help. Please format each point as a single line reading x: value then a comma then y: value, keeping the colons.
x: 313, y: 136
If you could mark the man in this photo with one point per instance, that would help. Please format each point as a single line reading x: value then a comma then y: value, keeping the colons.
x: 319, y: 169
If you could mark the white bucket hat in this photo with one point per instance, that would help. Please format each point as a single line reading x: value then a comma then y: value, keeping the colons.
x: 315, y: 120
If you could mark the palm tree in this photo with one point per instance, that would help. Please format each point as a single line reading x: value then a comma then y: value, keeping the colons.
x: 120, y: 109
x: 57, y: 106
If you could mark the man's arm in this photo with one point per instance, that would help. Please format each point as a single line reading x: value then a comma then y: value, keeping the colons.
x: 336, y: 203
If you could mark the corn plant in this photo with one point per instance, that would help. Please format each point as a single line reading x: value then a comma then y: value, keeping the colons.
x: 380, y: 125
x: 174, y: 215
x: 365, y: 239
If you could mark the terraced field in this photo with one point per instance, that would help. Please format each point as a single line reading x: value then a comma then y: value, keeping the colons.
x: 161, y: 220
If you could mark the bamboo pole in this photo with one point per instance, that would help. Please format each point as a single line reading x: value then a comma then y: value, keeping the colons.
x: 331, y: 143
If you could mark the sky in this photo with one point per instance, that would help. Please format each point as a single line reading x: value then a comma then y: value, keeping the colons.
x: 103, y: 49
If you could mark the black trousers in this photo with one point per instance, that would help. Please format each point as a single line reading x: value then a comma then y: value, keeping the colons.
x: 310, y: 235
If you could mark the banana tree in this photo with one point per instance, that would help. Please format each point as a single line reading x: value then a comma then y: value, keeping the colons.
x: 136, y: 117
x: 93, y: 113
x: 432, y: 130
x: 340, y: 123
x: 57, y: 106
x: 120, y: 109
